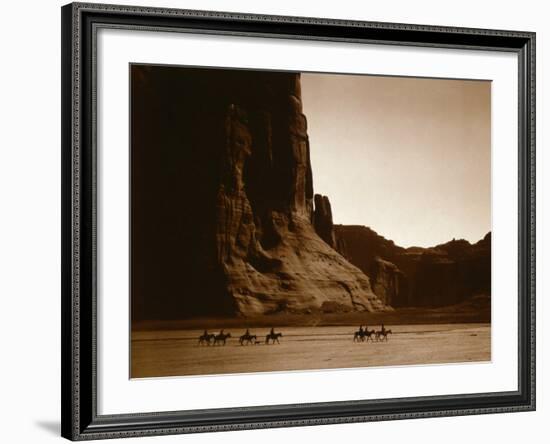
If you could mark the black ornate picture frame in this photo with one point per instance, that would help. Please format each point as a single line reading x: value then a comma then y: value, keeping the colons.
x: 80, y: 419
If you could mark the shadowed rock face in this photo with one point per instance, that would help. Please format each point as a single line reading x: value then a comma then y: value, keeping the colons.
x: 322, y: 220
x: 446, y: 274
x: 388, y: 282
x: 361, y: 245
x: 452, y: 272
x: 225, y: 190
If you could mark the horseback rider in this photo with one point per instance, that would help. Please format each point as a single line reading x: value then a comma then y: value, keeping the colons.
x: 361, y: 331
x: 383, y: 329
x: 272, y: 332
x: 247, y: 333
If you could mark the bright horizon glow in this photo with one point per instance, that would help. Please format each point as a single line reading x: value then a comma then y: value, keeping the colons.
x: 408, y: 157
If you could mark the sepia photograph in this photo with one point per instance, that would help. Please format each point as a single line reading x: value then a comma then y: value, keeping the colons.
x: 291, y: 221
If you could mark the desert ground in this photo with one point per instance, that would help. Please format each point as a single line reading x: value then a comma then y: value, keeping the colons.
x: 176, y: 352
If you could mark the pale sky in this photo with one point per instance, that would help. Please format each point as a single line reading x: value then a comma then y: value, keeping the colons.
x: 408, y: 157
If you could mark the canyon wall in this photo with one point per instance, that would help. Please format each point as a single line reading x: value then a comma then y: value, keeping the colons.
x: 442, y: 275
x: 223, y: 209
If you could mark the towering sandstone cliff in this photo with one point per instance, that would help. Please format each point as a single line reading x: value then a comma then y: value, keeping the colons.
x: 223, y: 204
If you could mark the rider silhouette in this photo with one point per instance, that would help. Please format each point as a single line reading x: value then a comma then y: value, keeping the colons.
x: 247, y: 333
x: 272, y: 331
x: 361, y: 328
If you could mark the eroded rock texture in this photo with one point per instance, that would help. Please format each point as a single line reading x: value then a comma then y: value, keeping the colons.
x: 446, y: 274
x: 322, y: 220
x: 388, y: 282
x: 224, y: 206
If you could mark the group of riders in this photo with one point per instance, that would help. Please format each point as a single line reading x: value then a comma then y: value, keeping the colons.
x: 246, y: 339
x: 364, y: 334
x: 361, y: 335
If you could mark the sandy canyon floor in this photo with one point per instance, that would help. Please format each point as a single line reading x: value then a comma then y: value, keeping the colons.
x: 156, y: 353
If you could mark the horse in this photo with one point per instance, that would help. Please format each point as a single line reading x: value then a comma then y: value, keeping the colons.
x: 220, y: 338
x: 362, y: 335
x: 369, y: 335
x: 274, y: 337
x: 248, y: 338
x: 359, y: 335
x: 382, y: 335
x: 206, y: 338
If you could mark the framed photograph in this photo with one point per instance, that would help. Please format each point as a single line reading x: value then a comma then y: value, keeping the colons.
x: 281, y: 221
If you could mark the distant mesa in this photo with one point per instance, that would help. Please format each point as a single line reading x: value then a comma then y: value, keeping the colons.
x: 443, y: 275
